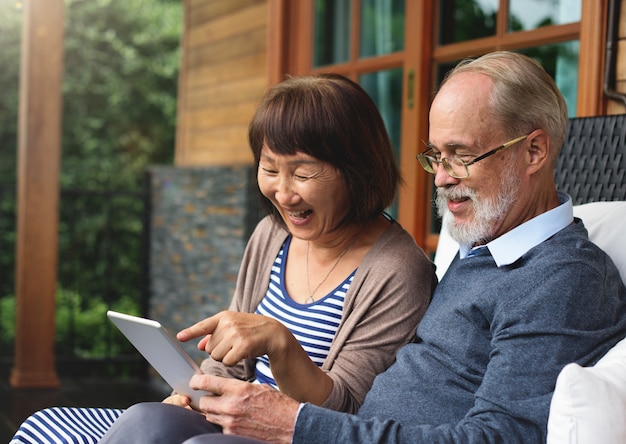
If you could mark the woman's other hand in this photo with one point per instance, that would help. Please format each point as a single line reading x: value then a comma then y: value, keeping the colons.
x: 179, y: 400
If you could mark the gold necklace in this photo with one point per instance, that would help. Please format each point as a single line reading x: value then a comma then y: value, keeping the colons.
x: 310, y: 299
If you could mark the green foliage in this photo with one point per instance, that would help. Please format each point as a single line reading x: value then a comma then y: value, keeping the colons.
x: 98, y: 337
x: 119, y: 90
x: 82, y: 328
x: 10, y: 23
x: 119, y: 93
x: 7, y: 322
x: 7, y: 238
x: 464, y: 20
x: 121, y: 60
x: 100, y: 245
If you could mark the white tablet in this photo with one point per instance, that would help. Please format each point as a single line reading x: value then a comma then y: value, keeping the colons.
x: 162, y: 351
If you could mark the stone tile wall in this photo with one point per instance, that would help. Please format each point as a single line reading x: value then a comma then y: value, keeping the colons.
x: 200, y: 221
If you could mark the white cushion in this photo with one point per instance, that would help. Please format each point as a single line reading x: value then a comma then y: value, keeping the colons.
x: 604, y: 222
x: 446, y: 249
x: 589, y: 403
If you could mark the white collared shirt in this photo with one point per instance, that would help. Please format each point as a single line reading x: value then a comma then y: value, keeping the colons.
x: 509, y: 247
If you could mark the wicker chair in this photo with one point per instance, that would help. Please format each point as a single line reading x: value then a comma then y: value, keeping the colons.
x: 592, y: 164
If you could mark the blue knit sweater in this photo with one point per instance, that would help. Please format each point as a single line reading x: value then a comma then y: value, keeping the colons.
x: 489, y: 349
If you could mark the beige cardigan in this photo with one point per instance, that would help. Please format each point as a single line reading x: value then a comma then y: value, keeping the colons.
x: 388, y: 296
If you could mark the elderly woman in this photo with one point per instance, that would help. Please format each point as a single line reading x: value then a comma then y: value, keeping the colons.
x: 330, y: 286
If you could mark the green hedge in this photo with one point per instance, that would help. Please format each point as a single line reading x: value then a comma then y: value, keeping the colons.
x: 82, y: 327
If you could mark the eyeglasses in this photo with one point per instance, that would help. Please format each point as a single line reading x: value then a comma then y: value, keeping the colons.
x: 454, y: 166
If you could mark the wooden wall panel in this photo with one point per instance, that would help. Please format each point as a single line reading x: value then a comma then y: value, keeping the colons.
x: 223, y: 74
x: 229, y: 115
x: 227, y: 26
x: 622, y: 21
x: 613, y: 106
x: 225, y: 93
x: 241, y: 45
x: 242, y: 68
x: 620, y: 68
x: 207, y: 10
x: 592, y: 58
x: 214, y: 146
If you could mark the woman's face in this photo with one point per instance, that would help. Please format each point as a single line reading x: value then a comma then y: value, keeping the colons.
x: 310, y: 195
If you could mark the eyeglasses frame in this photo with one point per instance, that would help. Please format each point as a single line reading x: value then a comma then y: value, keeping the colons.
x: 425, y: 159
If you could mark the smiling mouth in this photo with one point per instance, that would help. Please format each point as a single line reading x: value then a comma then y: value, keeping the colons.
x: 458, y: 199
x: 300, y: 214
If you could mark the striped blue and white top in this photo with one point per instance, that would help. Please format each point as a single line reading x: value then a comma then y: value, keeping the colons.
x: 313, y: 325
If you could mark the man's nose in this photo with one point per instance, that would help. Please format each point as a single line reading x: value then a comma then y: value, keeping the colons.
x: 443, y: 178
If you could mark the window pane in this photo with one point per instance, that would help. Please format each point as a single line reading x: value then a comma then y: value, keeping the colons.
x: 385, y: 89
x: 560, y: 60
x: 462, y: 20
x: 382, y: 27
x: 525, y: 15
x: 331, y: 35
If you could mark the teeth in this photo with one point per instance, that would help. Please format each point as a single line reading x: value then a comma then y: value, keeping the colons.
x: 299, y: 214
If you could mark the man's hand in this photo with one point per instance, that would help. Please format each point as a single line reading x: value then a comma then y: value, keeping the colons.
x: 245, y: 409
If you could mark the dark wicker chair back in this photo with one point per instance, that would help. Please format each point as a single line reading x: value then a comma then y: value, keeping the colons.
x: 591, y: 166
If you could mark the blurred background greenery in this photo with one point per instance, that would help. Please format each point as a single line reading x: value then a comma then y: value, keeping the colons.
x: 121, y: 66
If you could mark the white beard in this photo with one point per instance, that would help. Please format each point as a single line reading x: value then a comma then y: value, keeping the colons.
x: 487, y: 212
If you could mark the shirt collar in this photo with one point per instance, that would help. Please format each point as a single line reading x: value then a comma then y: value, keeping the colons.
x: 509, y: 247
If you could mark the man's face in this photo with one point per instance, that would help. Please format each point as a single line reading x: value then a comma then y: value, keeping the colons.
x: 461, y: 126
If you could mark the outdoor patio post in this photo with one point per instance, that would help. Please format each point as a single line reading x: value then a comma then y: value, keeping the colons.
x: 39, y: 148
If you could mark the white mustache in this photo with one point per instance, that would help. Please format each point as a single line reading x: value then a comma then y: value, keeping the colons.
x: 455, y: 193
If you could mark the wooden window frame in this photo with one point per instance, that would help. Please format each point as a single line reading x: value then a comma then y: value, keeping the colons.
x: 290, y: 49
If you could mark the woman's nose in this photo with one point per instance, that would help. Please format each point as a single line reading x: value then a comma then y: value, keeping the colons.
x: 285, y: 192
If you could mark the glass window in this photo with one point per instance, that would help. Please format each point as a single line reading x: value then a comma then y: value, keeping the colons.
x: 331, y: 39
x: 382, y: 27
x: 525, y: 15
x: 560, y: 60
x: 462, y: 20
x: 385, y: 89
x: 534, y: 27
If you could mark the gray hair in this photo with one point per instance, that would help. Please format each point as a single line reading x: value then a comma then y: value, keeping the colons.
x: 524, y: 96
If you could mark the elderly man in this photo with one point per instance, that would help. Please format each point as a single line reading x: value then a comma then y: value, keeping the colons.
x: 527, y: 293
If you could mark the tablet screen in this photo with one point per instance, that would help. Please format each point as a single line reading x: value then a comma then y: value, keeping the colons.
x: 162, y: 351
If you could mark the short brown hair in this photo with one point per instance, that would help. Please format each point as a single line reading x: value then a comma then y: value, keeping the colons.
x: 333, y: 119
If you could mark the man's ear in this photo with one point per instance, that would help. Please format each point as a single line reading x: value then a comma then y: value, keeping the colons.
x: 538, y: 150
